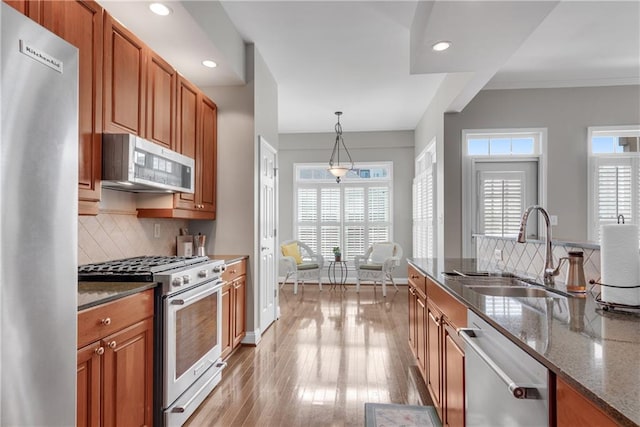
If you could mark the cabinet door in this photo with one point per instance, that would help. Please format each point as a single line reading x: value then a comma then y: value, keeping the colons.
x: 433, y: 356
x: 206, y: 157
x: 88, y: 385
x: 30, y: 8
x: 240, y: 286
x: 124, y: 79
x: 187, y: 128
x: 574, y: 409
x: 161, y: 101
x: 412, y: 320
x: 128, y: 376
x: 227, y: 320
x: 453, y: 381
x: 421, y: 335
x: 80, y: 23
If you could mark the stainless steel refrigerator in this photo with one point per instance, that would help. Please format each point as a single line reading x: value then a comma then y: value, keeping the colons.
x: 38, y: 232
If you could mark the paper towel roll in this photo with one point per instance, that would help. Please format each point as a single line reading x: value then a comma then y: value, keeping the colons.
x: 620, y: 263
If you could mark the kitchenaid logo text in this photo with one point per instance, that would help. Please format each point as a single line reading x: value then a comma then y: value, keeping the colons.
x: 40, y: 56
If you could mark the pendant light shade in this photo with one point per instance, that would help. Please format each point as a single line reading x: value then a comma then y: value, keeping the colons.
x: 336, y: 168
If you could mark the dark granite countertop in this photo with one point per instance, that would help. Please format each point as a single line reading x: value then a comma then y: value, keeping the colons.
x: 594, y: 350
x: 91, y: 294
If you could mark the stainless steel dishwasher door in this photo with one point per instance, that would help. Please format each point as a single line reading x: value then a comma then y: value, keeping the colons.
x: 504, y: 386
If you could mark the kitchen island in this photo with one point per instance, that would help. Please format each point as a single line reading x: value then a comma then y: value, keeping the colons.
x: 594, y: 351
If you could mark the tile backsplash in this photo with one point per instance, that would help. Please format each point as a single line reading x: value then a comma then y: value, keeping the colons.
x: 110, y: 236
x: 527, y: 259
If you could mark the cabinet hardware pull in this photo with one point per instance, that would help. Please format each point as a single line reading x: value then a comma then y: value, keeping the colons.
x: 106, y: 321
x: 112, y: 345
x: 99, y: 351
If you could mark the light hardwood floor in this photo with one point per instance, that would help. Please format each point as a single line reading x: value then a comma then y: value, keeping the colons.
x: 328, y: 354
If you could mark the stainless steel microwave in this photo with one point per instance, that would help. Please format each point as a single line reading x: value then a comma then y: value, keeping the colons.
x: 131, y: 163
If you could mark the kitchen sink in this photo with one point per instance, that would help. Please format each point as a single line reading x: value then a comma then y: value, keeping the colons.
x: 507, y: 286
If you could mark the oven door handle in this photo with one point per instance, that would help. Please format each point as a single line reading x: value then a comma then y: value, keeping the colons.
x: 519, y: 391
x: 183, y: 301
x: 184, y: 407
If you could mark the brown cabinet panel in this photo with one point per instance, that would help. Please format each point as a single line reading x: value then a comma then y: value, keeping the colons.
x: 128, y: 376
x: 574, y: 409
x: 124, y: 79
x: 227, y: 321
x: 187, y: 126
x: 30, y: 8
x: 88, y: 385
x: 454, y: 403
x: 239, y: 327
x: 206, y: 157
x: 81, y: 24
x: 434, y: 353
x: 421, y: 335
x: 455, y: 311
x: 161, y: 101
x: 412, y: 319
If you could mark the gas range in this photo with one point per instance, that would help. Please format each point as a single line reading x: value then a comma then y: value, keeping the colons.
x: 174, y: 273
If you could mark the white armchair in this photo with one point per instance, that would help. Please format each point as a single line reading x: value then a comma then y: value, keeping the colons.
x: 299, y: 262
x: 377, y: 264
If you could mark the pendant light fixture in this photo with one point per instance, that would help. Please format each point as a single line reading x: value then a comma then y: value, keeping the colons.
x: 336, y: 168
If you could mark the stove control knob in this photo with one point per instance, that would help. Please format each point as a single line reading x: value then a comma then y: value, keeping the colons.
x: 177, y: 281
x: 186, y: 279
x: 202, y: 273
x: 219, y: 268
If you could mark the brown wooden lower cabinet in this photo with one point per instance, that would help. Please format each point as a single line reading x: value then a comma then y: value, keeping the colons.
x: 574, y: 409
x: 115, y: 372
x: 233, y: 306
x: 434, y: 356
x: 453, y: 374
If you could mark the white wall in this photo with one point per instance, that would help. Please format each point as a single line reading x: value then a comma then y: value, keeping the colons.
x: 566, y: 113
x: 394, y: 146
x: 432, y: 126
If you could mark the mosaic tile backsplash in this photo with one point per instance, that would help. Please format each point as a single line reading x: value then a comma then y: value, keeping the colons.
x: 527, y: 259
x: 109, y: 236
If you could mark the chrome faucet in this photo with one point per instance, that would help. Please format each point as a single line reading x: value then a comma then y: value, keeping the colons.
x: 549, y: 271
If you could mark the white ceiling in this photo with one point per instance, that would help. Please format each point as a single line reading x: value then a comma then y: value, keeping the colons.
x: 371, y: 59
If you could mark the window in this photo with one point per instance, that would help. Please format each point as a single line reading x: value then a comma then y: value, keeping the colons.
x: 353, y: 214
x: 502, y: 175
x: 424, y: 190
x: 614, y: 176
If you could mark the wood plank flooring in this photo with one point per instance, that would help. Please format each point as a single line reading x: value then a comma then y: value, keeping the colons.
x: 328, y: 354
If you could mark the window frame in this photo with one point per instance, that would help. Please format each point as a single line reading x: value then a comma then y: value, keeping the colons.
x: 426, y: 160
x: 346, y: 182
x: 469, y: 183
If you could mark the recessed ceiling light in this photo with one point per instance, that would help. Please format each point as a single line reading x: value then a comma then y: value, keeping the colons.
x: 209, y: 63
x: 160, y: 9
x: 441, y: 45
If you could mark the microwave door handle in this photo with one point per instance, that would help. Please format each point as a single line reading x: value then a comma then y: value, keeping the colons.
x: 519, y: 391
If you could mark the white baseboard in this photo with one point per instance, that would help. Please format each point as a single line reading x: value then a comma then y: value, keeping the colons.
x: 252, y: 337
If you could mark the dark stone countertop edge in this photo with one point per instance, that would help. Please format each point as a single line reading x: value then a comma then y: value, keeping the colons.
x: 229, y: 259
x: 469, y: 264
x: 112, y: 291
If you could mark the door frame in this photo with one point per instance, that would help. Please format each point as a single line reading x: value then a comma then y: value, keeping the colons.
x: 468, y: 164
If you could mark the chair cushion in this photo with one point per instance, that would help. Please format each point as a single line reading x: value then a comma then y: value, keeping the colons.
x: 307, y: 266
x: 292, y: 250
x: 381, y: 251
x: 377, y: 267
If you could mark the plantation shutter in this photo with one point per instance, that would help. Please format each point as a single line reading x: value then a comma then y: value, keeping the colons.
x: 501, y: 202
x: 378, y: 200
x: 330, y: 211
x: 354, y: 216
x: 616, y: 183
x: 307, y: 207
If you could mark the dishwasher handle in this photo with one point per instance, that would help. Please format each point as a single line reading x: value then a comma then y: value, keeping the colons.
x: 519, y: 391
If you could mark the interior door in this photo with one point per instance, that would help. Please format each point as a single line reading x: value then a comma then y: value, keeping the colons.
x: 268, y: 214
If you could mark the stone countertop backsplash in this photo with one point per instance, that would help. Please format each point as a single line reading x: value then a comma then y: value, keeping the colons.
x: 596, y: 351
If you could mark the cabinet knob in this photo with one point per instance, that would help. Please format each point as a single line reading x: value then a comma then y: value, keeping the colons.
x: 99, y: 351
x: 112, y: 345
x: 106, y: 321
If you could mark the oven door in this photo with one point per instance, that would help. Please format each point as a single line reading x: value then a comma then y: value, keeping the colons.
x: 192, y: 336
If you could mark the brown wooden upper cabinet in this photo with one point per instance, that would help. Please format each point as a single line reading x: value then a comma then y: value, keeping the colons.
x: 81, y: 24
x: 125, y: 58
x: 30, y: 8
x: 196, y: 127
x: 162, y: 79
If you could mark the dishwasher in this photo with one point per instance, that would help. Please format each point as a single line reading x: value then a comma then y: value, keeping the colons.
x: 504, y: 386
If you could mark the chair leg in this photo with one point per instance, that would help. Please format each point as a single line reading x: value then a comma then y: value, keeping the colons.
x: 357, y: 283
x: 384, y: 287
x: 320, y: 282
x: 295, y: 285
x: 394, y: 283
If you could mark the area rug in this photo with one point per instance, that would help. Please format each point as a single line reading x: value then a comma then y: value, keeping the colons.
x: 393, y: 415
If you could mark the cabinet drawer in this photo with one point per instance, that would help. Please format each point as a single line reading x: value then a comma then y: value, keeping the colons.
x: 454, y: 310
x: 235, y: 270
x: 97, y: 322
x: 418, y: 279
